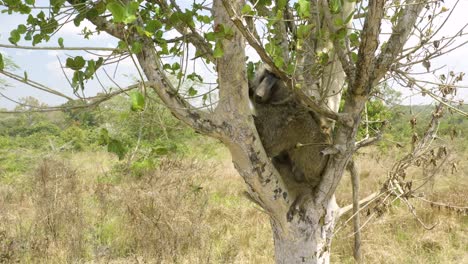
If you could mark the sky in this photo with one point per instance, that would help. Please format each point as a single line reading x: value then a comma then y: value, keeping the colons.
x: 43, y: 66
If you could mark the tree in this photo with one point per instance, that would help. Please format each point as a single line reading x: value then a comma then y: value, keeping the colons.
x: 315, y: 49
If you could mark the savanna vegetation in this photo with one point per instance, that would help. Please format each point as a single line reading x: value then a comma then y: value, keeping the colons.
x: 173, y: 196
x: 296, y: 94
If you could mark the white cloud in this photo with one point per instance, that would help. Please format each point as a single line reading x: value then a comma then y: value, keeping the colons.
x: 53, y: 53
x: 71, y: 29
x: 53, y: 67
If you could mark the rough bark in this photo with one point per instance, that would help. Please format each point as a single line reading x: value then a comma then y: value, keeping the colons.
x: 307, y: 240
x: 354, y: 171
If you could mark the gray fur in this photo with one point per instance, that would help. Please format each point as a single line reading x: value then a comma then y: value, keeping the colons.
x: 284, y: 125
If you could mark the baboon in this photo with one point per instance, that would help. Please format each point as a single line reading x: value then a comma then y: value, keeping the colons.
x: 288, y: 130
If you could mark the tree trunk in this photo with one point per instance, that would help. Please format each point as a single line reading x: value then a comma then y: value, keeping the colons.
x: 307, y: 240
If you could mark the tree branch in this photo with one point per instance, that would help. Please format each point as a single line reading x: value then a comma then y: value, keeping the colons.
x: 157, y: 79
x: 348, y: 67
x: 252, y: 40
x: 344, y: 210
x: 56, y: 48
x: 152, y: 67
x: 397, y: 40
x: 354, y: 171
x: 371, y: 140
x: 193, y: 37
x: 88, y: 102
x: 35, y: 85
x: 239, y: 131
x: 369, y: 42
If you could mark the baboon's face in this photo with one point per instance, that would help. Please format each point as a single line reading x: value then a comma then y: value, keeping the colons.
x: 265, y: 90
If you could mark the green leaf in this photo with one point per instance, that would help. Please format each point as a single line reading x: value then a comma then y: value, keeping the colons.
x: 246, y: 9
x: 99, y: 62
x: 25, y: 76
x: 24, y: 9
x: 354, y: 57
x: 90, y: 69
x: 103, y: 137
x: 132, y: 8
x: 118, y: 11
x: 338, y: 22
x: 2, y: 63
x: 116, y: 147
x: 75, y: 63
x: 228, y: 32
x: 341, y: 33
x: 218, y: 51
x: 56, y: 5
x: 153, y: 25
x: 37, y: 39
x: 14, y: 36
x: 28, y: 36
x: 78, y: 80
x: 279, y: 61
x: 354, y: 39
x: 129, y: 19
x: 192, y: 91
x: 204, y: 19
x: 30, y: 2
x: 195, y: 77
x: 282, y: 4
x: 122, y: 45
x: 348, y: 19
x: 136, y: 47
x: 92, y: 13
x: 138, y: 101
x: 304, y: 30
x: 303, y: 8
x: 335, y: 6
x: 60, y: 42
x: 175, y: 66
x: 210, y: 36
x: 21, y: 29
x: 80, y: 17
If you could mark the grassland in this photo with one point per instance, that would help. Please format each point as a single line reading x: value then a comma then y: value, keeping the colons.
x: 174, y: 196
x: 78, y: 207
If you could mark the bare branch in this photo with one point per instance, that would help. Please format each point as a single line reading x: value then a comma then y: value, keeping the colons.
x: 459, y: 209
x: 362, y: 83
x: 57, y: 48
x: 397, y: 40
x: 431, y: 94
x: 371, y: 140
x: 35, y: 85
x: 344, y: 210
x: 87, y: 102
x: 341, y: 50
x: 314, y: 106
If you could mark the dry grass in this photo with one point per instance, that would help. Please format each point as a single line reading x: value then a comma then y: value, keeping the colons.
x: 397, y: 236
x: 77, y: 209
